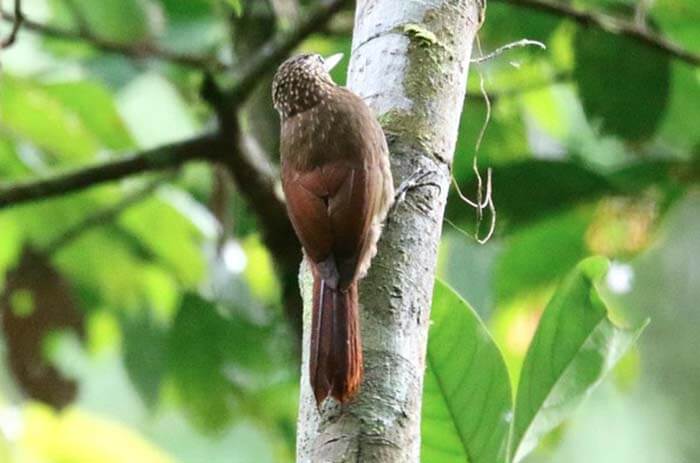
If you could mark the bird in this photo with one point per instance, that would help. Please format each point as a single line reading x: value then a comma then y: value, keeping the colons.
x: 338, y: 189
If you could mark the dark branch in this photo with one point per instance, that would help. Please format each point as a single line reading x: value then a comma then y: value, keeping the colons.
x: 205, y: 147
x: 17, y: 21
x: 130, y: 50
x: 611, y: 25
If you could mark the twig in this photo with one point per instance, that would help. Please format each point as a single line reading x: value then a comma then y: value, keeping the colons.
x: 131, y: 50
x: 17, y: 21
x: 611, y: 25
x: 480, y: 202
x: 487, y: 119
x: 101, y: 217
x: 204, y: 147
x: 509, y: 46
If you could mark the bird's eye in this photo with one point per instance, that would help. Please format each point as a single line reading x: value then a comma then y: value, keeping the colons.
x: 320, y: 59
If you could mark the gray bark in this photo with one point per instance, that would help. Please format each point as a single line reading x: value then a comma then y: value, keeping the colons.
x: 410, y: 61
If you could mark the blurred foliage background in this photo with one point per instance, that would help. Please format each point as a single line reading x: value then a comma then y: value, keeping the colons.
x: 143, y: 321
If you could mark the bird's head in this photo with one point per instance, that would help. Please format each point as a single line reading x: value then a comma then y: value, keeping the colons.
x: 301, y: 82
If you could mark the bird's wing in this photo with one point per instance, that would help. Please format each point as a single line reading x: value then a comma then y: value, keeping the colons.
x: 331, y: 208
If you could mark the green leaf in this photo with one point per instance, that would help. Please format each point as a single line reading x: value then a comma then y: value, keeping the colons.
x: 11, y: 167
x: 237, y: 7
x: 575, y: 345
x: 145, y: 354
x: 191, y: 10
x: 614, y: 75
x: 193, y: 26
x: 96, y: 108
x: 538, y: 255
x: 196, y: 362
x: 467, y: 395
x: 155, y: 112
x: 33, y: 113
x: 500, y: 27
x: 218, y: 359
x: 117, y: 20
x: 680, y: 125
x: 169, y: 235
x: 527, y: 191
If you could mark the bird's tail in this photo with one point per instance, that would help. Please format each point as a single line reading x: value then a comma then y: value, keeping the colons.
x: 335, y: 360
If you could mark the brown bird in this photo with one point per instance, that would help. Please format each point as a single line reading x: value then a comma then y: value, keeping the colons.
x: 338, y: 188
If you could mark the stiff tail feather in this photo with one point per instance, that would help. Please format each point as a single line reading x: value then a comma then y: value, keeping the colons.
x: 335, y: 360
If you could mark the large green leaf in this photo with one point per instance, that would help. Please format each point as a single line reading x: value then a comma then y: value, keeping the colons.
x: 624, y: 84
x: 528, y: 190
x: 467, y: 396
x: 575, y: 345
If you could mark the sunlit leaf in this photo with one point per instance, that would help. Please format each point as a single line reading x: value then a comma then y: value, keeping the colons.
x: 574, y: 347
x: 467, y: 401
x: 11, y: 166
x: 78, y: 437
x: 59, y: 130
x: 96, y: 108
x: 237, y: 6
x: 259, y: 271
x: 155, y: 112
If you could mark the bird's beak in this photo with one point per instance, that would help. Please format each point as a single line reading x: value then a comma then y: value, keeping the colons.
x: 331, y: 61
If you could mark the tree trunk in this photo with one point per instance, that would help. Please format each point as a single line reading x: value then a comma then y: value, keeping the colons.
x: 410, y: 61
